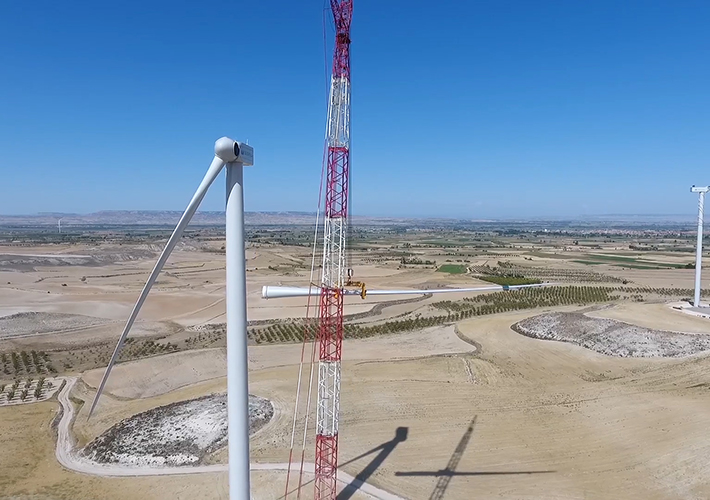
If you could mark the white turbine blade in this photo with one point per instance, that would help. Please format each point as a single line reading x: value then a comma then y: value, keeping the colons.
x: 210, y: 176
x: 281, y: 292
x: 456, y: 290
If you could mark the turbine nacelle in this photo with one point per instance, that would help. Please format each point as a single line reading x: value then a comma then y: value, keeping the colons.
x: 229, y: 150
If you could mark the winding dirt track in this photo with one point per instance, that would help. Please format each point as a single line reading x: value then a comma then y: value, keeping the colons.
x: 67, y: 456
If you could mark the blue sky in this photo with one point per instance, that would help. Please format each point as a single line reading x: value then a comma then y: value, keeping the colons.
x: 463, y: 109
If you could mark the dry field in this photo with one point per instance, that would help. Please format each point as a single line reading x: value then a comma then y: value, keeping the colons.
x: 460, y: 410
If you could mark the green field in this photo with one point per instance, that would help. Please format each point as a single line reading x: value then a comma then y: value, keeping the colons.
x: 545, y: 255
x: 452, y: 269
x: 642, y: 264
x: 613, y: 258
x: 638, y: 266
x: 631, y: 262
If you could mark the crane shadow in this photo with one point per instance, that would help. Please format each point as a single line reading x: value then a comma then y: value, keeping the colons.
x: 446, y: 475
x: 384, y: 450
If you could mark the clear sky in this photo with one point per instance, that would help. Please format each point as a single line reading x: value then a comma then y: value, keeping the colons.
x: 460, y: 108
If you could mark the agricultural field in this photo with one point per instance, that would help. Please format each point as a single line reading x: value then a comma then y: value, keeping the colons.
x: 633, y: 262
x: 452, y: 269
x: 493, y: 374
x: 28, y: 390
x: 23, y: 363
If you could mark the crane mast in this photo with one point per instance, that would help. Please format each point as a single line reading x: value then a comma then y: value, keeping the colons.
x: 334, y: 273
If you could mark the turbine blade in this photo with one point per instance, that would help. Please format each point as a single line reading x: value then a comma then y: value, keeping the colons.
x: 281, y: 292
x: 209, y: 178
x: 457, y: 290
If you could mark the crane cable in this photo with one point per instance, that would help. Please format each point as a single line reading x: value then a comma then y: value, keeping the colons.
x: 307, y: 325
x: 306, y: 333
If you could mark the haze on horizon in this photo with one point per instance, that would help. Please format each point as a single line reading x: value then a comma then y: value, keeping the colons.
x: 492, y: 111
x: 170, y: 217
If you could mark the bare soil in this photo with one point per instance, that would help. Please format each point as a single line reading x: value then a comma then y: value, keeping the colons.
x: 552, y: 419
x: 658, y: 316
x: 37, y: 323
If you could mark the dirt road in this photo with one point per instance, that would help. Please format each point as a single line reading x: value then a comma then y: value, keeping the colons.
x: 67, y: 456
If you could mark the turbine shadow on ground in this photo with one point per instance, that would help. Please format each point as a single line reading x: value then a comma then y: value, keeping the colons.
x: 384, y: 450
x: 445, y: 475
x: 357, y: 482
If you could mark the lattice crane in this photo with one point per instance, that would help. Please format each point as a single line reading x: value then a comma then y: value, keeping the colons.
x: 336, y: 279
x: 334, y: 273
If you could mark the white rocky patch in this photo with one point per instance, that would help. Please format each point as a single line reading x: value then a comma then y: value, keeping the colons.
x: 611, y: 337
x: 173, y: 435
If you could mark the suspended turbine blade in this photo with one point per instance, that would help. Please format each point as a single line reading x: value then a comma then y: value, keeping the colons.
x: 281, y: 292
x: 457, y: 290
x: 210, y: 176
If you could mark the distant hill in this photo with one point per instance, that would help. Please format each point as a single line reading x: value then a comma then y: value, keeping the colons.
x: 208, y: 218
x: 170, y: 218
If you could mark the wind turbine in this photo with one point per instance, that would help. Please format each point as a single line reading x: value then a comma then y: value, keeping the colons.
x: 234, y: 155
x: 699, y: 251
x: 59, y: 225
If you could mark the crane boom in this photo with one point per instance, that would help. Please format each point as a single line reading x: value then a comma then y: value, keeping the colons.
x: 333, y: 277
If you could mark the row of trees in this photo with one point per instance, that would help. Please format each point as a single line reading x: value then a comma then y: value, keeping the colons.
x: 40, y: 388
x: 665, y: 292
x: 506, y: 268
x: 24, y: 363
x: 527, y: 298
x: 294, y: 330
x: 143, y: 348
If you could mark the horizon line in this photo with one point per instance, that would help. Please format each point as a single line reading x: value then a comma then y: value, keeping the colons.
x: 309, y: 213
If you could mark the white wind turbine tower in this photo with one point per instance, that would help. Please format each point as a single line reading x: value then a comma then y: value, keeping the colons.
x: 699, y: 250
x: 59, y: 225
x: 234, y: 155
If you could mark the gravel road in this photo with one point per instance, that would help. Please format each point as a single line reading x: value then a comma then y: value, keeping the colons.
x: 67, y: 456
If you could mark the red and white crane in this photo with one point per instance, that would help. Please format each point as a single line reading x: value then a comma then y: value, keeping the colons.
x: 334, y: 273
x: 336, y: 280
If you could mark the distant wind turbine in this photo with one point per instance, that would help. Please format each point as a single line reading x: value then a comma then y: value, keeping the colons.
x: 699, y: 251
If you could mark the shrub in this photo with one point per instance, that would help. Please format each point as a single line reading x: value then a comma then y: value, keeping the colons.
x: 15, y: 362
x: 38, y: 389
